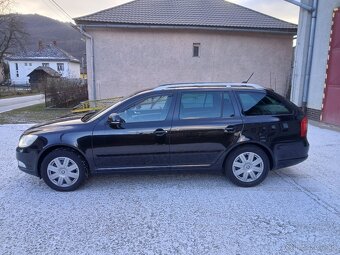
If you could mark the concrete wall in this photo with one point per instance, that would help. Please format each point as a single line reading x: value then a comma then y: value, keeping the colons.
x: 128, y: 60
x: 320, y: 53
x: 71, y: 70
x: 300, y: 59
x: 318, y: 74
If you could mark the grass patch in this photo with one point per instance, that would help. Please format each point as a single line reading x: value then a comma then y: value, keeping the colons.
x: 32, y: 114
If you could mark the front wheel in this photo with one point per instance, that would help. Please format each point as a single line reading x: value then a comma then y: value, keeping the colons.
x: 63, y: 170
x: 247, y: 166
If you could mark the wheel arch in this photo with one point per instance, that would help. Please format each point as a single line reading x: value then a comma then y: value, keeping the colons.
x: 261, y: 146
x: 55, y: 147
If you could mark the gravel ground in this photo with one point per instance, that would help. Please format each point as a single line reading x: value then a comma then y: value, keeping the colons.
x: 295, y: 211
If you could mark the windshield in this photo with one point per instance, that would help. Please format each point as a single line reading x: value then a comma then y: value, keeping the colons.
x: 90, y: 116
x: 93, y: 115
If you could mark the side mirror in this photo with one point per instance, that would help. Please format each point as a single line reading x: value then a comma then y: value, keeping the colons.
x: 116, y: 121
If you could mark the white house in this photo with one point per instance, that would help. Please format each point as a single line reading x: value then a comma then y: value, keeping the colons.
x: 50, y: 55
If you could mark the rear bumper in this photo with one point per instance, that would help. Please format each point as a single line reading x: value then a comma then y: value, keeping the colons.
x: 27, y: 160
x: 292, y: 153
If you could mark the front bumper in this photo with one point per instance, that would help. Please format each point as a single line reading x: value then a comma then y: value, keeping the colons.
x: 292, y: 153
x: 27, y: 160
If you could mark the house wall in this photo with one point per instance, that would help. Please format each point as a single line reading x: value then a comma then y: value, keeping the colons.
x: 318, y: 73
x: 128, y: 60
x: 71, y: 70
x: 320, y: 54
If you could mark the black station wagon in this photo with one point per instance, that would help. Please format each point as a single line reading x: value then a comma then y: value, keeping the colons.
x: 240, y: 129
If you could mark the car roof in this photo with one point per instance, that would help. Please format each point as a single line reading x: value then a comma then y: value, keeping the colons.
x: 202, y: 85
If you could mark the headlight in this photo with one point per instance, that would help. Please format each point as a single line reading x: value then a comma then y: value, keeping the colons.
x: 27, y: 140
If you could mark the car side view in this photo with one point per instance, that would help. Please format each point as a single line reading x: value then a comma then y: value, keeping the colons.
x: 243, y: 130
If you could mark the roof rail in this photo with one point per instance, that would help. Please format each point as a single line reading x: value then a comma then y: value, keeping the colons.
x: 208, y: 84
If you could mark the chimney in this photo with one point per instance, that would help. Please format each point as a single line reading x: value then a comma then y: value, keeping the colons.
x: 54, y: 43
x: 40, y: 45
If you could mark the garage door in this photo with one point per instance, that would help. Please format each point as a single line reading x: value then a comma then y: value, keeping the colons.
x: 331, y: 104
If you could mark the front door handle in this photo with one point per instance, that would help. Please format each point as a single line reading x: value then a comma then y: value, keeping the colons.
x: 160, y: 132
x: 230, y: 129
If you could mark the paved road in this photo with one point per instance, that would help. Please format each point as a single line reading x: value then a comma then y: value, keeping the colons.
x: 9, y: 104
x: 294, y: 211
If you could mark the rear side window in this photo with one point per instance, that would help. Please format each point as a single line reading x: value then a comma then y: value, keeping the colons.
x: 197, y: 105
x: 254, y: 103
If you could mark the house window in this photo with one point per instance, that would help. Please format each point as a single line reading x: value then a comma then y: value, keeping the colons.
x: 45, y: 64
x: 25, y: 64
x: 196, y: 49
x: 30, y: 64
x: 17, y: 69
x: 60, y: 67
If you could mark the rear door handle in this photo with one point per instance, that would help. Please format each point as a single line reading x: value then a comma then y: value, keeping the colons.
x: 230, y: 129
x: 160, y: 132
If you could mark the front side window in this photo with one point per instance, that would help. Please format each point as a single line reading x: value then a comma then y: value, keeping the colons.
x: 154, y: 108
x: 198, y: 105
x: 254, y: 103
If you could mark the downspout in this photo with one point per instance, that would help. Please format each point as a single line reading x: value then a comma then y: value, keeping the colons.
x: 306, y: 84
x: 306, y: 81
x: 81, y: 30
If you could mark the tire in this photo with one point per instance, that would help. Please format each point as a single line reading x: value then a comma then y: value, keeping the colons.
x: 64, y: 170
x: 247, y: 166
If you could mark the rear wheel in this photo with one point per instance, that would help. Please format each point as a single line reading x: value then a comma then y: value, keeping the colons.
x: 247, y: 166
x: 63, y: 170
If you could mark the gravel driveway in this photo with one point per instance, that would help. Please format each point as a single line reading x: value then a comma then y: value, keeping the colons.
x: 295, y: 211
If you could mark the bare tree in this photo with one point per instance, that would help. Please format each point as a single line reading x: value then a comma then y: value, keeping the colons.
x: 11, y: 30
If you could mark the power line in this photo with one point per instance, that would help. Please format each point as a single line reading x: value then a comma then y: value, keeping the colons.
x: 52, y: 7
x: 61, y: 9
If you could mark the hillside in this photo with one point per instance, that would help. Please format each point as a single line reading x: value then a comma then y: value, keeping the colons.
x: 41, y: 28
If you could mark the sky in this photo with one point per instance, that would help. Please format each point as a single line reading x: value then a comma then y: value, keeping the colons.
x: 76, y: 8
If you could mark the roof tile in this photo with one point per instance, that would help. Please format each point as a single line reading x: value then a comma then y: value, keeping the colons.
x: 48, y: 52
x: 198, y: 13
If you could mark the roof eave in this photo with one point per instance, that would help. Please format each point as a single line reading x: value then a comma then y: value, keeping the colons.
x: 88, y: 24
x: 41, y: 59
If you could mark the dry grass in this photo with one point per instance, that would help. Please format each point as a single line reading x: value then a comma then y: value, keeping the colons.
x: 32, y: 114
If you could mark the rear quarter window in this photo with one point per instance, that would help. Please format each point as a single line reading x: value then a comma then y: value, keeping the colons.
x: 258, y: 103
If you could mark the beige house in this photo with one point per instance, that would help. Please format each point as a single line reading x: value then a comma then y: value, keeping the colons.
x: 145, y: 43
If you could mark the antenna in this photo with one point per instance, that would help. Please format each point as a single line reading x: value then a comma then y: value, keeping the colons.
x: 248, y: 78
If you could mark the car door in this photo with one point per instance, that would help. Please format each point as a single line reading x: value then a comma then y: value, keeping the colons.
x: 205, y: 125
x: 142, y: 142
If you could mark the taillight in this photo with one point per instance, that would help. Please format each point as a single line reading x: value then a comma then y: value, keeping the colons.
x: 304, y: 127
